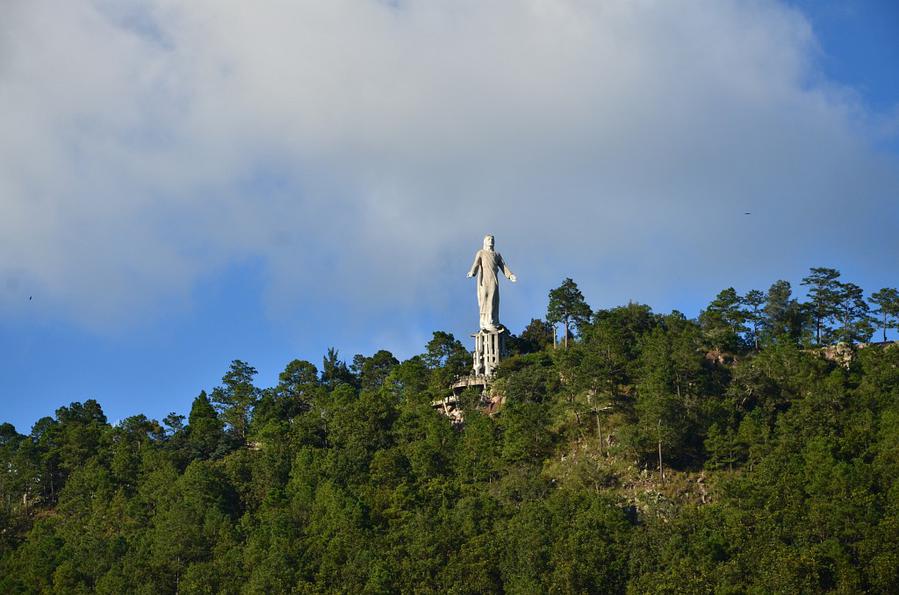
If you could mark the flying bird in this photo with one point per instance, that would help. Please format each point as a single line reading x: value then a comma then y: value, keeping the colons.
x: 747, y: 213
x: 29, y: 298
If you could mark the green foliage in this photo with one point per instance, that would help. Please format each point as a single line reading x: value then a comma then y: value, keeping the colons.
x: 887, y: 302
x: 236, y: 397
x: 662, y: 391
x: 335, y: 371
x: 784, y: 317
x: 568, y: 307
x: 537, y: 336
x: 447, y: 358
x: 824, y: 290
x: 373, y: 371
x: 834, y: 302
x: 205, y: 431
x: 754, y: 300
x: 779, y: 467
x: 723, y: 322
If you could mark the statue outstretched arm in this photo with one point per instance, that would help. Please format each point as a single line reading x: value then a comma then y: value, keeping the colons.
x: 475, y: 265
x: 506, y: 270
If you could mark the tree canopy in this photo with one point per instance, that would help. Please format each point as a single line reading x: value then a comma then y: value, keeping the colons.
x: 568, y: 307
x: 655, y: 454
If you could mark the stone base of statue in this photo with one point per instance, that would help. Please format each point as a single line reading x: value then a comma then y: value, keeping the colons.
x: 489, y: 349
x: 488, y: 401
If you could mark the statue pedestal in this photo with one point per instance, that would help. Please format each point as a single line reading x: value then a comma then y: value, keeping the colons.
x: 489, y: 349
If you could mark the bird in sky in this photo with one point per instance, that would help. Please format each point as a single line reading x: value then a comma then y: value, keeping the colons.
x: 747, y: 213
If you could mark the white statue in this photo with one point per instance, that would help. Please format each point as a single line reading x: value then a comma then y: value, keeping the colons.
x: 486, y: 264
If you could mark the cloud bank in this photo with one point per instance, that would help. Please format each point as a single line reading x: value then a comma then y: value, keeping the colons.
x: 359, y: 150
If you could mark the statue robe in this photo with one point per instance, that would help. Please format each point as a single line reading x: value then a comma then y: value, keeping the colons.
x: 486, y: 264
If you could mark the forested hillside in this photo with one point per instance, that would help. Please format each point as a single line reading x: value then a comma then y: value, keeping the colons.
x: 654, y: 453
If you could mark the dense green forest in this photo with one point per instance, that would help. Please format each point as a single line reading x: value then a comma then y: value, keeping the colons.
x: 645, y: 453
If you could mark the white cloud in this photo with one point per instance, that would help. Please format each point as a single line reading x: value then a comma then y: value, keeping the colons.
x: 145, y: 144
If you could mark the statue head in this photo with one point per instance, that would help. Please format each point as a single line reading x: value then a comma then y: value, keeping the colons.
x: 488, y: 242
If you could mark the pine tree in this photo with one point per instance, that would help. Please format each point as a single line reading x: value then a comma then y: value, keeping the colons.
x: 851, y: 314
x: 724, y: 320
x: 887, y: 302
x: 567, y: 306
x: 783, y: 316
x: 536, y: 336
x: 335, y: 371
x: 824, y: 293
x: 205, y: 431
x: 754, y: 300
x: 236, y: 397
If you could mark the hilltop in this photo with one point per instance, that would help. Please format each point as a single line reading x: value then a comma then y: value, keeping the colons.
x: 654, y: 453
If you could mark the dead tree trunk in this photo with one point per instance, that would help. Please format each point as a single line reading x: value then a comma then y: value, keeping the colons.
x: 598, y: 430
x: 661, y: 469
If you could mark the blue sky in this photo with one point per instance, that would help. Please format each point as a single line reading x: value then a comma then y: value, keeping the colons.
x: 186, y: 184
x: 857, y: 44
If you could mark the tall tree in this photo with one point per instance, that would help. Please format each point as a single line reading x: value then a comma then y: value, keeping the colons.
x: 851, y: 314
x: 659, y: 404
x: 373, y: 371
x: 205, y: 431
x: 824, y: 293
x: 724, y: 320
x: 887, y: 302
x: 335, y: 371
x: 783, y: 315
x: 537, y: 336
x: 629, y: 323
x: 754, y: 300
x: 596, y: 369
x: 236, y: 397
x: 447, y: 359
x: 298, y: 385
x: 568, y: 307
x: 66, y: 443
x: 298, y: 382
x: 444, y: 350
x: 173, y: 422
